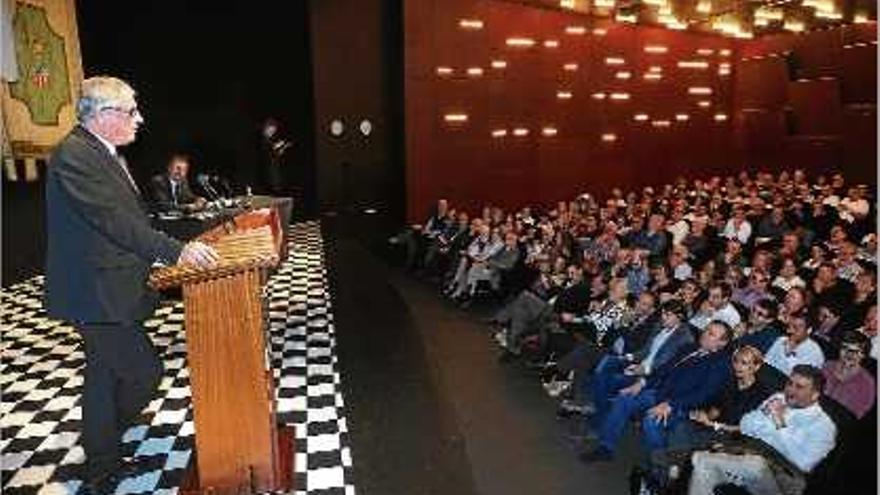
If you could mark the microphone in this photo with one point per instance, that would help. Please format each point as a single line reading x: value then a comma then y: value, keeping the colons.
x: 204, y: 180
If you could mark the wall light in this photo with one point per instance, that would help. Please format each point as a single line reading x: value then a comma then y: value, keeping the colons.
x: 472, y: 24
x: 602, y: 31
x: 682, y: 117
x: 693, y: 64
x: 549, y: 131
x: 499, y: 64
x: 520, y: 132
x: 520, y: 42
x: 620, y: 96
x: 455, y: 117
x: 598, y: 96
x: 653, y: 76
x: 551, y: 44
x: 576, y: 30
x: 623, y: 75
x: 720, y: 117
x: 661, y: 123
x: 655, y: 68
x: 499, y: 133
x: 475, y: 71
x: 564, y: 95
x: 725, y: 52
x: 699, y: 90
x: 704, y: 103
x: 571, y: 67
x: 614, y: 61
x: 656, y: 49
x: 444, y: 71
x: 609, y: 137
x: 640, y: 117
x: 705, y: 51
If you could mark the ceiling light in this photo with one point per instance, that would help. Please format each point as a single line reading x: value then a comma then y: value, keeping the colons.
x: 455, y: 117
x: 472, y: 24
x: 520, y: 42
x: 693, y: 64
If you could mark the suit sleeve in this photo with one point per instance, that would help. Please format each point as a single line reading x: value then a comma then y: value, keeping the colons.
x: 92, y: 195
x: 704, y: 390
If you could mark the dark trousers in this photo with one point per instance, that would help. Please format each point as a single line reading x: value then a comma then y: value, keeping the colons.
x: 121, y: 375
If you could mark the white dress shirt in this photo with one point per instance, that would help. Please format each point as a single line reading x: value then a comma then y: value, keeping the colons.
x: 807, y: 352
x: 807, y: 437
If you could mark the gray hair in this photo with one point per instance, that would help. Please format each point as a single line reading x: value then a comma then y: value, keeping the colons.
x: 101, y: 92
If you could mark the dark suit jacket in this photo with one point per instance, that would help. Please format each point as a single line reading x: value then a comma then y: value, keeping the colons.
x: 688, y: 383
x: 680, y: 338
x: 100, y: 242
x: 162, y: 196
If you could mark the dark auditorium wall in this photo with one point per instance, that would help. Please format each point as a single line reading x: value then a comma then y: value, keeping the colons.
x: 466, y: 164
x: 810, y: 100
x: 357, y: 57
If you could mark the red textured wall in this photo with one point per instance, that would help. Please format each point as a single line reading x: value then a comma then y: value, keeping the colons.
x: 467, y: 165
x: 810, y: 100
x: 805, y: 100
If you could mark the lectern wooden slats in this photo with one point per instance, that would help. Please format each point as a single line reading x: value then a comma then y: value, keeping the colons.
x: 233, y: 399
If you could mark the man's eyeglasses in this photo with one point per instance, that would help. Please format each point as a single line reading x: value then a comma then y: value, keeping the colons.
x: 132, y: 112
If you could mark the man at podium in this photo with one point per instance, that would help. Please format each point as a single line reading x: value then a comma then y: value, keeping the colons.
x: 99, y: 252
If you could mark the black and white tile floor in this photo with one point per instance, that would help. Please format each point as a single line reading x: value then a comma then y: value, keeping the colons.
x: 41, y: 365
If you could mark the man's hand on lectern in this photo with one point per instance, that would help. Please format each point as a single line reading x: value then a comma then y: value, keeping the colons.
x: 198, y: 254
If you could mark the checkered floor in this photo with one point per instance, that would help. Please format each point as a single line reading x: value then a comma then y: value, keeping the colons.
x: 41, y: 378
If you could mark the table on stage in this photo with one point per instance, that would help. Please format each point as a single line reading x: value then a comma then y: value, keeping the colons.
x: 188, y: 226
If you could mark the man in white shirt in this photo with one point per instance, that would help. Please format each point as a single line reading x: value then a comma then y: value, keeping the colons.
x: 717, y: 307
x: 796, y: 347
x: 792, y: 423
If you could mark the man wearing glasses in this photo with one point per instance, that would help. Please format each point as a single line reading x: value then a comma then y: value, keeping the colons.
x: 99, y: 251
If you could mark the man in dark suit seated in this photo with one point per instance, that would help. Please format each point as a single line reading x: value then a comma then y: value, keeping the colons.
x: 171, y: 191
x: 100, y: 248
x: 668, y: 394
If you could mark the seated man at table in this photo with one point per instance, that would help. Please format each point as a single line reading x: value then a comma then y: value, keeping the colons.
x: 171, y: 191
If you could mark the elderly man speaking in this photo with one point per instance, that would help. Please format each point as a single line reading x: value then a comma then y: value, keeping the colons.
x: 100, y: 249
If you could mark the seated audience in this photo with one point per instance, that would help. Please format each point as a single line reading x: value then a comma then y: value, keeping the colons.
x: 667, y: 395
x: 776, y: 248
x: 792, y: 423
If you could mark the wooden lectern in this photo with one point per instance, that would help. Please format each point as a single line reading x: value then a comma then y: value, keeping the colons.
x: 239, y: 446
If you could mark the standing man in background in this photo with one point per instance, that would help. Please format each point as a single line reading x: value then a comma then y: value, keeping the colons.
x: 99, y: 253
x: 275, y: 146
